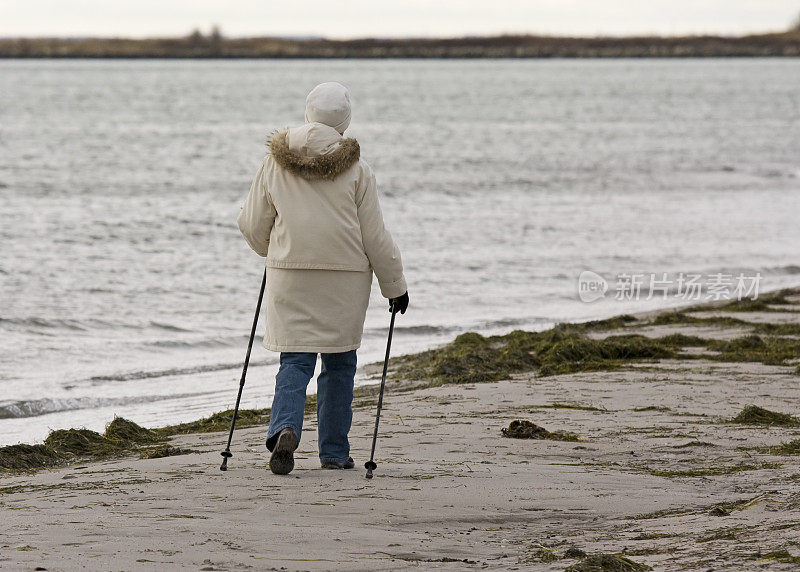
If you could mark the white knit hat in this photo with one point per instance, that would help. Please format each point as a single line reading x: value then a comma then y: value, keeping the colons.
x: 329, y: 103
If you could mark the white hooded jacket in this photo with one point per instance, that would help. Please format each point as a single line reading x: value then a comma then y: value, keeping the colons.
x: 314, y: 205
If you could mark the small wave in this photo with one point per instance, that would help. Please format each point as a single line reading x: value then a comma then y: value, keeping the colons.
x: 168, y: 327
x: 38, y: 323
x: 202, y: 343
x: 133, y: 375
x: 44, y: 323
x: 422, y: 330
x: 509, y: 322
x: 790, y: 269
x: 38, y: 407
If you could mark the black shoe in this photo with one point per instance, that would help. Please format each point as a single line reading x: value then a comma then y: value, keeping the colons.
x: 282, y: 460
x: 348, y: 464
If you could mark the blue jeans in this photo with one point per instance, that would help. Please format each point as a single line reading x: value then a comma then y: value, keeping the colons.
x: 334, y: 400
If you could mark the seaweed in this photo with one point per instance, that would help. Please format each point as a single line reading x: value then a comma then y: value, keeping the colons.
x: 669, y: 318
x: 165, y: 451
x: 220, y: 421
x: 760, y: 304
x: 607, y: 563
x: 472, y: 358
x: 125, y: 430
x: 683, y: 341
x: 559, y: 405
x: 575, y: 354
x: 754, y: 415
x: 614, y: 323
x: 64, y: 445
x: 83, y: 443
x: 25, y: 457
x: 777, y: 329
x: 574, y: 552
x: 542, y: 554
x: 711, y: 471
x: 782, y: 555
x: 790, y: 448
x: 520, y: 429
x: 767, y: 350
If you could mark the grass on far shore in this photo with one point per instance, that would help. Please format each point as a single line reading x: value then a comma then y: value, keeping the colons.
x: 473, y: 358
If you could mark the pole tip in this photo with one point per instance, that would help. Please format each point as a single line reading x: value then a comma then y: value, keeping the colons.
x: 369, y: 474
x: 226, y: 454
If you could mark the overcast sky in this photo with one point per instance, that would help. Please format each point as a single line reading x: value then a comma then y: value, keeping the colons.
x: 365, y: 18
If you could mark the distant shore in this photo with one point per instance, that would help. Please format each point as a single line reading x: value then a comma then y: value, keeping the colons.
x: 198, y: 46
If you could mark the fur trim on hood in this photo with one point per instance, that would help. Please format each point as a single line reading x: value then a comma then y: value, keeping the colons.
x: 327, y: 166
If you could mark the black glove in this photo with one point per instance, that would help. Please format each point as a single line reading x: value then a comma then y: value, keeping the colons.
x: 399, y: 304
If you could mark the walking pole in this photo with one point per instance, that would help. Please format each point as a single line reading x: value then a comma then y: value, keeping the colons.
x: 370, y: 465
x: 226, y: 454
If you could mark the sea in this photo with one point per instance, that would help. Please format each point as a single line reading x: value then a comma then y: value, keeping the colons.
x: 126, y: 289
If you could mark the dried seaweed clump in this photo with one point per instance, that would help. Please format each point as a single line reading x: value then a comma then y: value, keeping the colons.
x: 607, y: 563
x: 25, y: 457
x: 472, y: 358
x: 63, y: 445
x: 164, y: 451
x: 790, y: 448
x: 754, y: 415
x: 526, y: 430
x: 124, y: 430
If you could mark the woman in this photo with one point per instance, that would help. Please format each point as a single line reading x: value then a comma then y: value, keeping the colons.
x: 313, y: 212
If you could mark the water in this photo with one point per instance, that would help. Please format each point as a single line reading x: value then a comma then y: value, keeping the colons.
x: 126, y: 288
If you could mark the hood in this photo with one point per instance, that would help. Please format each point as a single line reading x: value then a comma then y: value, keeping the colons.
x: 314, y: 151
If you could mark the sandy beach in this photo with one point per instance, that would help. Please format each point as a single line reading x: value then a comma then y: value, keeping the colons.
x: 663, y: 473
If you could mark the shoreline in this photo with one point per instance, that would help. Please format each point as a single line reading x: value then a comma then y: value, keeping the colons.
x: 197, y: 46
x: 663, y: 441
x: 220, y: 420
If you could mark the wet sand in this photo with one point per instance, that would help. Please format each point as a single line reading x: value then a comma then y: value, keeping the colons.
x: 659, y: 475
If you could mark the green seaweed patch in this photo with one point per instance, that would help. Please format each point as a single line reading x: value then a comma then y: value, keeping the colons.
x: 220, y: 421
x: 165, y: 451
x: 683, y: 341
x: 559, y: 405
x: 521, y: 429
x: 614, y: 323
x: 721, y: 534
x: 770, y: 350
x: 762, y: 304
x: 695, y: 443
x: 654, y: 536
x: 712, y: 471
x: 670, y: 318
x: 754, y: 415
x: 121, y: 429
x: 652, y: 408
x: 574, y: 552
x: 776, y: 555
x: 607, y: 563
x: 664, y: 513
x: 26, y: 457
x: 64, y: 445
x: 777, y: 329
x: 472, y: 358
x: 790, y: 448
x: 542, y: 554
x: 575, y: 354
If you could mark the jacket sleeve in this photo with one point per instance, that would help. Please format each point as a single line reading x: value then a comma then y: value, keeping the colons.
x: 383, y: 254
x: 257, y: 215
